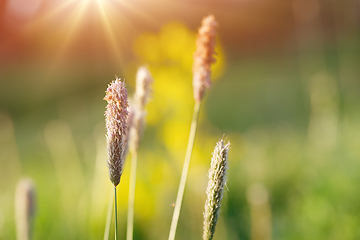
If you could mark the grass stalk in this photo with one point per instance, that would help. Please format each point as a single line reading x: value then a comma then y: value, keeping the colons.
x: 109, y: 216
x: 131, y: 201
x: 185, y: 171
x: 116, y: 230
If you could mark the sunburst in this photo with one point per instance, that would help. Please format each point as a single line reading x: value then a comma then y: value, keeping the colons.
x: 70, y: 16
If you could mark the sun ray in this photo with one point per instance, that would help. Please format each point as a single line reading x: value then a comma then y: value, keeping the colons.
x: 65, y: 20
x: 55, y: 12
x: 110, y: 34
x: 108, y: 10
x: 70, y: 29
x: 140, y: 14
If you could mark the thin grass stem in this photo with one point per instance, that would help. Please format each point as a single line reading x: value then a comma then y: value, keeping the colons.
x: 185, y: 171
x: 131, y: 202
x: 116, y: 230
x: 109, y: 216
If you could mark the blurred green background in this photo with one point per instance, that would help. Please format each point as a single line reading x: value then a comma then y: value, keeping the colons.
x: 285, y: 93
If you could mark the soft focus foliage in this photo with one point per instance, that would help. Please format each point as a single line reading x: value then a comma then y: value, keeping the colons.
x: 291, y: 115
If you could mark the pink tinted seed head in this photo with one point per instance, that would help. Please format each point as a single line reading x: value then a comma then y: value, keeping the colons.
x: 116, y: 117
x: 143, y: 87
x: 144, y: 81
x: 130, y: 122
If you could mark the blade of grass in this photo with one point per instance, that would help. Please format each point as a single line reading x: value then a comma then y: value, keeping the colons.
x: 130, y: 218
x: 185, y: 171
x: 109, y: 216
x: 116, y: 230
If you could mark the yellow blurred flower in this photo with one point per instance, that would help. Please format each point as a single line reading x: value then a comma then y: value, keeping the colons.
x: 169, y: 56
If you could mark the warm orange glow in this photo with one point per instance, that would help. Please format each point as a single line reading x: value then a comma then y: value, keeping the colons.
x: 65, y: 28
x: 109, y: 32
x: 71, y: 26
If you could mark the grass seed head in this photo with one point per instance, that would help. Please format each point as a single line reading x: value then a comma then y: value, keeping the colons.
x: 143, y: 87
x: 116, y: 124
x: 204, y: 56
x: 217, y: 179
x: 141, y: 98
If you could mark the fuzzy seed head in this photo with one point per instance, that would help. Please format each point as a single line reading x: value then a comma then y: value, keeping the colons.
x: 143, y: 87
x: 204, y: 56
x: 25, y: 203
x: 116, y: 117
x: 141, y: 98
x: 217, y: 179
x: 129, y: 122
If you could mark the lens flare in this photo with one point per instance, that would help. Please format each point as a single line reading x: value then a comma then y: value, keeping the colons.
x: 69, y: 27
